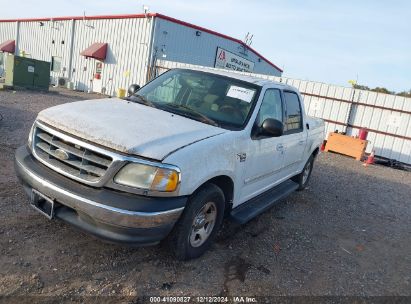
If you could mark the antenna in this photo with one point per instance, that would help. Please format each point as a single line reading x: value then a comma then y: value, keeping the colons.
x: 146, y: 9
x: 85, y: 22
x: 248, y: 40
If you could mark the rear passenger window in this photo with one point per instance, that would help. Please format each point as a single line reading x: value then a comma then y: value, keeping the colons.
x: 294, y: 119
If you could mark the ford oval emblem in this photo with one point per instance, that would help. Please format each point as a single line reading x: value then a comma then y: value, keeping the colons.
x: 61, y: 154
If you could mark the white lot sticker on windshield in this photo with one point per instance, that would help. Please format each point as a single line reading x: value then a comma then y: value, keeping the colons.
x: 241, y: 93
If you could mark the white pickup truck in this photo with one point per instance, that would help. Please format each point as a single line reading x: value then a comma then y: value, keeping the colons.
x: 172, y: 160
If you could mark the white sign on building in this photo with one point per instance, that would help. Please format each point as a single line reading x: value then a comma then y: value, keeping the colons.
x: 230, y: 61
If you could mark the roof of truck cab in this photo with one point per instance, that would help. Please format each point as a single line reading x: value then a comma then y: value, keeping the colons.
x: 260, y: 81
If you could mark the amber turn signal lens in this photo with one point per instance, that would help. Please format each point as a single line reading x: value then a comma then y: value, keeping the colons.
x: 165, y: 180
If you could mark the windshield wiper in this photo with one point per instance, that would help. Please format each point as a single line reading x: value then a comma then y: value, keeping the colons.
x: 202, y: 117
x: 141, y: 99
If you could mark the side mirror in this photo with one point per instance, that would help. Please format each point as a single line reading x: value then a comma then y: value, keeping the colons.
x: 133, y: 89
x: 272, y: 127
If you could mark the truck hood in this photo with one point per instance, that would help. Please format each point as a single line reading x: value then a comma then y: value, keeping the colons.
x: 127, y: 127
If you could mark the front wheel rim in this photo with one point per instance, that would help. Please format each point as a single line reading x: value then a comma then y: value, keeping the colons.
x: 203, y: 224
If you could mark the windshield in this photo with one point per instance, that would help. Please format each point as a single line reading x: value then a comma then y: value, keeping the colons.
x: 206, y: 97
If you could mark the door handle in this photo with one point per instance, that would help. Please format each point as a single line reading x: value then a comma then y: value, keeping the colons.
x: 301, y: 142
x: 280, y: 147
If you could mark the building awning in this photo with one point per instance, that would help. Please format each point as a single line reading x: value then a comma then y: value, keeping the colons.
x: 8, y: 46
x: 96, y: 51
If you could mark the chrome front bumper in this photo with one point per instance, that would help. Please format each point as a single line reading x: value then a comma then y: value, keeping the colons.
x: 103, y: 212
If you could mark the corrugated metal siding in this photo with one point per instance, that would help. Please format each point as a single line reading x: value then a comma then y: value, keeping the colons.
x: 128, y: 48
x: 378, y: 116
x: 37, y: 42
x: 181, y: 44
x: 355, y: 109
x: 8, y: 31
x: 345, y: 109
x: 127, y: 55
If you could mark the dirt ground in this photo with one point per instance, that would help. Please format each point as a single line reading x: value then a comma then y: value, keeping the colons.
x: 348, y: 234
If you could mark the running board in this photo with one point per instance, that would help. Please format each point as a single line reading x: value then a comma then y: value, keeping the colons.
x: 257, y: 205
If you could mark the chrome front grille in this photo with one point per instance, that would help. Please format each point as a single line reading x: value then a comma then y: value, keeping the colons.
x: 69, y: 157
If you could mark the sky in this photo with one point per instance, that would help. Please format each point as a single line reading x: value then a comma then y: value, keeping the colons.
x: 327, y: 41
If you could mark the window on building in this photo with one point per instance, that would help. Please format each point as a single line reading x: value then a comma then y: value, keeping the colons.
x: 55, y: 64
x: 271, y: 106
x: 294, y: 120
x: 1, y: 58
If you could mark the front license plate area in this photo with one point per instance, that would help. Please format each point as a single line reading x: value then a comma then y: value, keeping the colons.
x: 42, y: 204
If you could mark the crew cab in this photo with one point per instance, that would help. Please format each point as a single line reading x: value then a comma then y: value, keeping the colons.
x: 172, y: 160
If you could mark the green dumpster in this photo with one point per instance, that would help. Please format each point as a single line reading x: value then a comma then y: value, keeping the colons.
x: 22, y: 72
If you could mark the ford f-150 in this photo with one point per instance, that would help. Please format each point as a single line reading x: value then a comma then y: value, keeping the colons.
x: 172, y: 160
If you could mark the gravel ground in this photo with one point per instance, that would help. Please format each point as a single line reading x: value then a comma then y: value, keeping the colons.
x: 348, y: 234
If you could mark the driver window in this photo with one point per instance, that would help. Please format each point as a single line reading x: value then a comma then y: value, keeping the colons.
x: 271, y: 106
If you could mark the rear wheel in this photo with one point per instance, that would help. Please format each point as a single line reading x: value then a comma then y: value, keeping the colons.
x: 199, y: 224
x: 304, y: 177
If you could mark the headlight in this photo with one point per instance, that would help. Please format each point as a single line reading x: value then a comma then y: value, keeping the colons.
x: 30, y: 140
x: 148, y: 177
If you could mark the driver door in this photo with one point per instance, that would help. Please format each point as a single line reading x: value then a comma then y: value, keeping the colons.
x: 265, y: 155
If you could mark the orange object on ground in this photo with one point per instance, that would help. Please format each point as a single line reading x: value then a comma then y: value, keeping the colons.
x: 346, y: 145
x: 370, y: 159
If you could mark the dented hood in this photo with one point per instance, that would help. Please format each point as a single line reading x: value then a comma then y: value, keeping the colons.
x: 127, y: 127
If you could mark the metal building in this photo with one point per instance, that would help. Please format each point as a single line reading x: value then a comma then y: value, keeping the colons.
x: 104, y: 53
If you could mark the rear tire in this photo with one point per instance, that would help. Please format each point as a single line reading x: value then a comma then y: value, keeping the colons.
x: 303, y: 178
x: 199, y: 224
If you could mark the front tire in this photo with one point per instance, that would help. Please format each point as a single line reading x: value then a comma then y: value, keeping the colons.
x: 199, y: 224
x: 303, y: 178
